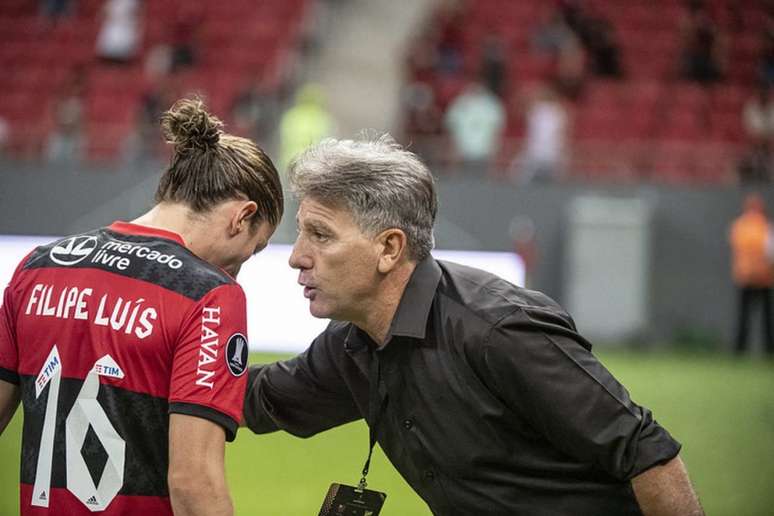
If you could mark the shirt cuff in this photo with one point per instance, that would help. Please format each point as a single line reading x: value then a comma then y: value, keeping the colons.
x: 656, y: 446
x: 192, y: 409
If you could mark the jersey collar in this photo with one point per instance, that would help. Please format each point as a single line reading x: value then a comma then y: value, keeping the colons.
x: 128, y: 228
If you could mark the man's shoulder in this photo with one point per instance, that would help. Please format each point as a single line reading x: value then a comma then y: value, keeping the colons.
x: 485, y: 304
x: 488, y: 296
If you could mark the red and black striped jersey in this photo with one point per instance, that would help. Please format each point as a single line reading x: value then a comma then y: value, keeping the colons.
x: 107, y: 332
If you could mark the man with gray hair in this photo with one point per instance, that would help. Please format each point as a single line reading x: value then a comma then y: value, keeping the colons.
x: 482, y: 394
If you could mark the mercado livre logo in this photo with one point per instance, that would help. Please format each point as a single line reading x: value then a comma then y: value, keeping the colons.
x: 73, y: 250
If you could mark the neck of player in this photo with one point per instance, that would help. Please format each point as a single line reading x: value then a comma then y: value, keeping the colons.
x: 195, y: 229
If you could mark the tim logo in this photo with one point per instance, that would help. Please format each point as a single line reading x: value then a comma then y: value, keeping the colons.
x: 73, y: 250
x: 236, y: 354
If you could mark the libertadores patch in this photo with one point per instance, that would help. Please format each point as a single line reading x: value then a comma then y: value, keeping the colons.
x: 236, y: 354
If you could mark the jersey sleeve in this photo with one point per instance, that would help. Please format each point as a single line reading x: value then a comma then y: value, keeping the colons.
x: 9, y: 351
x: 545, y: 371
x: 210, y: 360
x: 9, y: 357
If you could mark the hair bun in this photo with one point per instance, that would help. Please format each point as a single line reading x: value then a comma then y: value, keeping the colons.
x: 187, y: 126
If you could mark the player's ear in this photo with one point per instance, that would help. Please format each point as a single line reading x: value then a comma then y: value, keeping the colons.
x: 241, y: 216
x: 392, y: 248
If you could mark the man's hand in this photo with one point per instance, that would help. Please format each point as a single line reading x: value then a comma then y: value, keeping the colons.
x: 9, y: 400
x: 666, y: 491
x: 197, y: 476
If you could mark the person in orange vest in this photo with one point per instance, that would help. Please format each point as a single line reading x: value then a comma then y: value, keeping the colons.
x: 752, y: 269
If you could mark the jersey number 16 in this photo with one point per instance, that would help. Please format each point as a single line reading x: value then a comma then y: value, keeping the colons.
x: 86, y: 411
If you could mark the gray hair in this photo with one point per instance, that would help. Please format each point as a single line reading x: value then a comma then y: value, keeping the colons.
x: 382, y: 184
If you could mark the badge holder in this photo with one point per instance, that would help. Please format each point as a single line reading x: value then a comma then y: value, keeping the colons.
x: 344, y: 500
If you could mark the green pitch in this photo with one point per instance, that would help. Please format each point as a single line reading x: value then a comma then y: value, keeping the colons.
x: 722, y: 410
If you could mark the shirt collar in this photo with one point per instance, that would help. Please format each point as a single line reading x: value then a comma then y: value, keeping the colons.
x: 410, y: 318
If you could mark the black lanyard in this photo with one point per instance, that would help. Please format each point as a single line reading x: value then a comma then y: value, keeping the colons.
x: 375, y: 408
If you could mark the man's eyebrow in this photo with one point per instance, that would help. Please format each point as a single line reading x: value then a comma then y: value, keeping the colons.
x: 316, y: 224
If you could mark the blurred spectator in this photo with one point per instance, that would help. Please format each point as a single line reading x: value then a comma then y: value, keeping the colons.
x: 554, y: 36
x: 422, y: 113
x: 574, y: 16
x: 552, y: 33
x: 423, y: 57
x: 119, y: 35
x: 5, y: 135
x: 758, y: 115
x: 305, y: 123
x: 566, y: 33
x: 451, y: 40
x: 767, y: 53
x: 570, y: 75
x: 702, y: 53
x: 755, y: 165
x: 493, y: 65
x: 144, y: 141
x: 545, y: 143
x: 758, y: 120
x: 254, y: 111
x: 475, y: 120
x: 422, y: 122
x: 158, y: 61
x: 64, y: 143
x: 523, y: 234
x: 603, y: 49
x: 54, y: 9
x: 184, y: 35
x: 751, y: 248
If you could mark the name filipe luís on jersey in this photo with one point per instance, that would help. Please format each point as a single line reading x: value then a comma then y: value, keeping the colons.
x: 113, y: 253
x: 132, y: 316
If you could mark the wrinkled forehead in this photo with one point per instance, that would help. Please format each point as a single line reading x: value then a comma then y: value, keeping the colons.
x: 331, y: 212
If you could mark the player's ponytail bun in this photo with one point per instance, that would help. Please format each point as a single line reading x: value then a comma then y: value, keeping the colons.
x: 188, y: 126
x: 210, y: 166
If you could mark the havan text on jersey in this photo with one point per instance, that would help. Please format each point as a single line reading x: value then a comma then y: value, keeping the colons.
x: 208, y: 349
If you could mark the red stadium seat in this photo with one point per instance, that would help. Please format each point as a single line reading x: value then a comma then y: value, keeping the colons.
x: 237, y: 39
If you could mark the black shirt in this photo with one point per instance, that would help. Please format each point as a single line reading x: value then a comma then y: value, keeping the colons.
x: 493, y: 402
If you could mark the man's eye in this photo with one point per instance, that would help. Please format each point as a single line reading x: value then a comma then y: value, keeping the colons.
x: 320, y: 237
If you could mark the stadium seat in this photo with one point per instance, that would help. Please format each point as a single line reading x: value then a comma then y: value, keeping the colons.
x: 630, y: 122
x: 237, y: 39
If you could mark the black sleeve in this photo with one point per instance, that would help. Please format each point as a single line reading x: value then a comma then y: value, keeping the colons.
x: 191, y: 409
x: 303, y: 396
x: 543, y: 369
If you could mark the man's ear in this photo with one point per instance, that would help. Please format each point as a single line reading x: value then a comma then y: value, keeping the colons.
x: 392, y: 249
x: 242, y: 217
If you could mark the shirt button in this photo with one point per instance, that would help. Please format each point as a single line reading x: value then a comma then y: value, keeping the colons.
x: 429, y: 475
x: 407, y: 424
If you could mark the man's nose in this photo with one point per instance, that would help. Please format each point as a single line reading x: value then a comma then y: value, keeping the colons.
x: 299, y: 259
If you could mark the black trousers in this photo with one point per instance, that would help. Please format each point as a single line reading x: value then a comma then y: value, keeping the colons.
x: 748, y: 298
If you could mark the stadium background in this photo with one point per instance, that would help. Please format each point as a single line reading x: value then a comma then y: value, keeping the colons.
x: 631, y: 237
